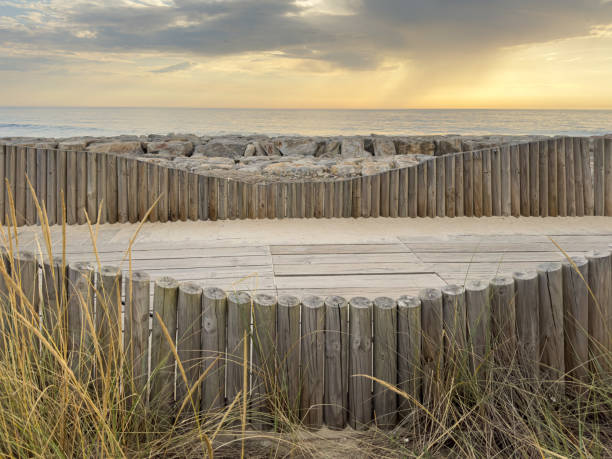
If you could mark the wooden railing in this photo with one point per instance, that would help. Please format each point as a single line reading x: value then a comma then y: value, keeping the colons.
x: 555, y: 177
x: 554, y: 322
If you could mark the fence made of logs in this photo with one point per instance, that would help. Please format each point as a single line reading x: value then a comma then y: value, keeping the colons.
x: 555, y: 322
x: 563, y: 176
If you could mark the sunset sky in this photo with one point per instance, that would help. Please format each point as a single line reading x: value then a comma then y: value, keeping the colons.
x: 307, y: 53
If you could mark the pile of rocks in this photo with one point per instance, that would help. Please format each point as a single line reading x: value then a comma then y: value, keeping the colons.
x: 255, y: 158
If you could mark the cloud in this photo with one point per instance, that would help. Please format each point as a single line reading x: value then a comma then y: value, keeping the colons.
x: 175, y: 68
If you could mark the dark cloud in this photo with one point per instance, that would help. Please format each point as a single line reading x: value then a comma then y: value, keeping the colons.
x: 419, y: 30
x: 174, y: 68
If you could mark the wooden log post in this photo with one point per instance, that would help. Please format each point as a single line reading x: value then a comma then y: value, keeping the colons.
x: 515, y: 180
x: 525, y: 179
x: 329, y: 199
x: 570, y: 177
x: 20, y: 185
x: 193, y: 204
x: 431, y: 188
x: 288, y: 351
x: 478, y: 318
x: 587, y: 176
x: 600, y: 308
x: 527, y: 322
x: 403, y: 192
x: 496, y: 197
x: 360, y: 362
x: 243, y: 199
x: 607, y: 188
x: 449, y: 180
x: 316, y: 205
x: 561, y: 178
x: 3, y: 176
x: 440, y: 186
x: 174, y: 198
x: 188, y: 342
x: 108, y: 318
x: 9, y: 192
x: 393, y: 193
x: 264, y: 360
x: 136, y: 342
x: 253, y: 200
x: 543, y: 177
x: 458, y: 185
x: 576, y: 317
x: 336, y: 362
x: 384, y: 193
x: 183, y: 197
x: 431, y: 344
x: 25, y: 269
x: 578, y: 176
x: 213, y: 192
x: 478, y: 184
x: 454, y: 325
x: 503, y: 319
x: 101, y: 183
x: 143, y: 189
x: 92, y: 186
x: 165, y: 298
x: 214, y: 333
x: 32, y: 175
x: 127, y: 191
x: 53, y: 302
x: 232, y: 199
x: 262, y: 200
x: 366, y: 197
x: 153, y: 191
x: 385, y: 361
x: 60, y: 183
x: 550, y: 300
x: 553, y: 186
x: 374, y: 195
x: 534, y: 179
x: 318, y: 202
x: 81, y: 186
x: 422, y: 189
x: 487, y: 184
x: 409, y: 377
x: 238, y: 344
x: 111, y: 188
x: 41, y: 183
x: 506, y: 181
x: 312, y: 361
x: 163, y: 212
x: 412, y: 192
x: 80, y: 319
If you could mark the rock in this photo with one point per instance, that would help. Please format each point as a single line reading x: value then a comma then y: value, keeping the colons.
x: 223, y: 146
x: 74, y: 145
x: 448, y: 145
x: 331, y: 149
x: 250, y: 150
x: 266, y: 148
x: 352, y: 147
x: 46, y: 145
x: 345, y: 170
x: 383, y: 146
x: 375, y: 167
x: 298, y: 146
x: 120, y: 148
x: 170, y: 148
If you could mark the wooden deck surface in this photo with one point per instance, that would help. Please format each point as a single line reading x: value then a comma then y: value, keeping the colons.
x: 348, y: 257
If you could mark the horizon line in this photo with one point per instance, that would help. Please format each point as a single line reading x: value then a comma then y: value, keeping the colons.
x: 298, y: 109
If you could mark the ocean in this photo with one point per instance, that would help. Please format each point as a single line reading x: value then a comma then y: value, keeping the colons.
x: 71, y: 122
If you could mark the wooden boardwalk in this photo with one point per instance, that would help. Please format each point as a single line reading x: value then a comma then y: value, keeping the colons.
x: 370, y: 258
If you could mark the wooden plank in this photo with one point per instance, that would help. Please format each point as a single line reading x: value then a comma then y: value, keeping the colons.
x: 534, y: 178
x: 543, y: 177
x: 515, y: 180
x: 127, y: 193
x: 393, y: 193
x: 487, y: 185
x: 174, y: 187
x: 183, y: 203
x: 80, y: 312
x: 380, y: 280
x: 262, y: 197
x: 449, y: 173
x: 288, y: 351
x: 403, y: 190
x: 360, y: 362
x: 253, y: 200
x: 579, y: 176
x: 347, y: 192
x: 213, y: 191
x: 384, y: 193
x: 422, y: 188
x: 111, y: 187
x: 550, y: 286
x: 31, y: 183
x: 108, y: 316
x: 143, y: 189
x: 318, y: 199
x: 153, y: 191
x: 264, y: 360
x: 336, y: 362
x: 92, y: 186
x: 478, y: 184
x: 385, y: 361
x: 291, y: 249
x: 496, y: 198
x: 561, y: 178
x: 101, y: 197
x: 81, y: 186
x: 317, y: 209
x: 503, y: 319
x: 607, y: 188
x: 243, y: 200
x: 587, y: 177
x: 454, y: 323
x: 431, y: 187
x: 409, y: 376
x: 600, y: 303
x: 431, y: 344
x: 20, y: 185
x: 440, y: 187
x: 468, y: 184
x: 329, y: 199
x: 527, y: 322
x: 576, y: 317
x: 53, y: 294
x: 506, y: 181
x: 570, y: 177
x: 312, y: 361
x: 163, y: 212
x: 238, y: 343
x: 478, y: 317
x: 52, y: 197
x: 524, y: 158
x: 413, y: 192
x: 356, y: 197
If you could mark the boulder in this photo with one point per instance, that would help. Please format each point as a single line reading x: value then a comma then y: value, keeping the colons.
x: 353, y: 147
x: 266, y: 148
x: 345, y: 170
x: 447, y: 145
x: 298, y: 146
x: 331, y: 149
x: 119, y: 148
x: 222, y: 146
x: 46, y: 145
x: 383, y: 146
x: 375, y: 167
x: 250, y: 150
x: 170, y: 148
x: 74, y: 144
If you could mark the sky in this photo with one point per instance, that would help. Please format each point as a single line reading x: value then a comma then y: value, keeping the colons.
x: 376, y: 54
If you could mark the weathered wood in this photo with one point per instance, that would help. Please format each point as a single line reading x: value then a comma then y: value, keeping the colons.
x: 543, y: 177
x: 81, y: 186
x: 183, y: 203
x: 553, y: 186
x: 440, y: 186
x: 431, y: 188
x: 329, y: 199
x: 238, y: 337
x: 163, y: 212
x: 487, y: 185
x: 336, y: 362
x: 300, y: 209
x: 503, y: 319
x: 136, y: 339
x: 600, y: 306
x: 92, y: 187
x: 413, y: 192
x: 422, y: 189
x: 243, y: 199
x: 384, y: 194
x: 319, y: 199
x: 431, y: 342
x: 111, y: 187
x: 20, y: 185
x: 527, y: 321
x: 3, y: 177
x: 41, y: 183
x: 8, y: 183
x: 576, y: 317
x: 578, y: 176
x: 264, y: 360
x: 232, y: 200
x: 525, y: 172
x: 32, y: 174
x: 101, y: 182
x: 496, y: 200
x: 385, y: 361
x: 347, y: 191
x: 253, y: 200
x: 561, y: 178
x: 193, y: 198
x: 317, y: 210
x: 165, y: 298
x: 213, y: 192
x: 360, y: 362
x: 403, y: 187
x: 143, y: 189
x: 262, y: 200
x: 534, y: 178
x: 393, y: 193
x: 25, y: 270
x: 478, y: 318
x: 454, y: 323
x: 449, y: 180
x: 288, y: 352
x: 174, y: 187
x: 409, y: 377
x: 108, y: 317
x: 570, y: 178
x: 308, y: 196
x: 339, y: 197
x: 607, y: 188
x: 587, y: 176
x: 550, y: 299
x: 214, y: 329
x: 506, y: 181
x: 312, y: 361
x: 478, y: 187
x: 515, y: 180
x: 53, y: 303
x: 80, y: 319
x: 127, y: 192
x: 153, y: 191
